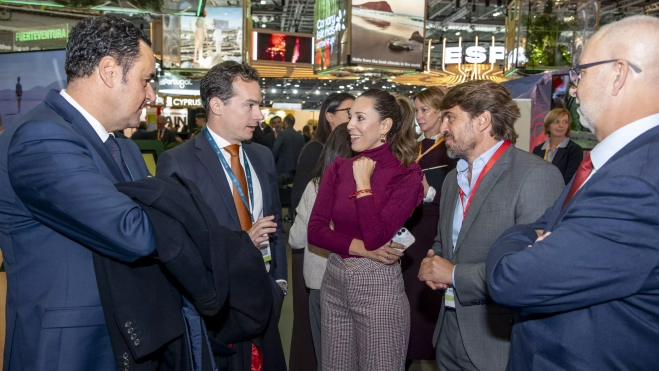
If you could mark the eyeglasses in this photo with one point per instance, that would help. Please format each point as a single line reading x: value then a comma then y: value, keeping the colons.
x: 342, y: 109
x: 575, y: 72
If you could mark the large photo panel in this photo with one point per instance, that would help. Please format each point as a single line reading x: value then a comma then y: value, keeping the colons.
x: 388, y: 33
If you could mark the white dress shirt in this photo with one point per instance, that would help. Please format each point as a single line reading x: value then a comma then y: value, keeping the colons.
x: 96, y: 125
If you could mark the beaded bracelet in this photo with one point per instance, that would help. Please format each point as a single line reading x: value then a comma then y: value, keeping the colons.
x: 368, y: 191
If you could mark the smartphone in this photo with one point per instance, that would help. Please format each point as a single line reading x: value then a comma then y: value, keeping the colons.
x: 404, y: 237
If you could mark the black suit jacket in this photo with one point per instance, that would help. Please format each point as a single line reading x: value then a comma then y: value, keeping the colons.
x: 168, y: 136
x: 267, y: 129
x: 308, y: 160
x: 142, y: 300
x: 287, y: 148
x: 566, y: 159
x: 196, y: 160
x: 140, y: 135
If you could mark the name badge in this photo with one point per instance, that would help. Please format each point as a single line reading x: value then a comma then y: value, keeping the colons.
x: 265, y: 251
x: 449, y: 298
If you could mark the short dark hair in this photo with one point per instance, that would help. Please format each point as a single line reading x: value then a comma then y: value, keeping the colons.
x: 98, y: 37
x: 218, y: 82
x: 289, y: 121
x: 274, y: 117
x: 200, y: 115
x: 479, y: 96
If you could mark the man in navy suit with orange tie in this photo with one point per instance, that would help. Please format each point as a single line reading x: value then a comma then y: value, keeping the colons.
x: 587, y: 289
x: 59, y: 205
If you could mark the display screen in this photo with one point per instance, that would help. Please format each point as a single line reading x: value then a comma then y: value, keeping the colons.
x: 388, y: 33
x: 331, y: 30
x: 202, y: 42
x: 26, y: 78
x: 282, y: 48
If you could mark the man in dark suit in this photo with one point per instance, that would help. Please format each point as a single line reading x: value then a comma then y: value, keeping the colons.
x: 59, y: 205
x: 277, y: 126
x: 238, y: 180
x: 267, y: 129
x: 493, y: 187
x: 166, y: 136
x: 287, y: 148
x: 587, y: 290
x: 141, y: 133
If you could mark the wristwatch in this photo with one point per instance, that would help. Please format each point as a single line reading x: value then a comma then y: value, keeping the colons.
x: 284, y: 287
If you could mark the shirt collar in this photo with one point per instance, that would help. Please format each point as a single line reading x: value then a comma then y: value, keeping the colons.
x: 479, y: 162
x: 617, y: 140
x: 434, y: 137
x: 563, y: 143
x: 221, y: 142
x: 96, y: 125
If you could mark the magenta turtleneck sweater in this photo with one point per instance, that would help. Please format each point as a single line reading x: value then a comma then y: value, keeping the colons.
x: 397, y: 190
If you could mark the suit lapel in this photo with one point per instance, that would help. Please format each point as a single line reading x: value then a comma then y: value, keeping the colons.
x: 486, y: 185
x: 558, y: 157
x: 84, y: 128
x: 258, y: 167
x: 209, y: 160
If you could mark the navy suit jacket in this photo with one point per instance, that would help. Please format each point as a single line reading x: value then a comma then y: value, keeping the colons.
x: 58, y: 206
x: 588, y: 295
x: 196, y: 160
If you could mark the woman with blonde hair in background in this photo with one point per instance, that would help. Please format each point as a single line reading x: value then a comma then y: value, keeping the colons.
x: 364, y: 310
x: 558, y: 148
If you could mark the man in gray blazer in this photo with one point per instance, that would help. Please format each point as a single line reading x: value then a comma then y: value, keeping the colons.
x: 494, y: 187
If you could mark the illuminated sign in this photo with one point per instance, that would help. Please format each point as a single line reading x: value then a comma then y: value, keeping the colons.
x: 37, y: 35
x: 282, y: 47
x: 174, y: 82
x: 473, y: 54
x: 330, y: 26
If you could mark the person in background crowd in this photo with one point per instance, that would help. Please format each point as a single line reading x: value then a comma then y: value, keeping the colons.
x: 277, y: 126
x: 587, y: 290
x: 19, y: 93
x: 1, y: 124
x: 424, y: 303
x: 333, y: 112
x: 494, y: 187
x: 364, y: 309
x: 287, y: 148
x: 306, y: 133
x: 59, y: 205
x: 200, y: 123
x: 237, y: 178
x: 266, y: 128
x: 315, y: 258
x: 558, y: 148
x: 166, y: 136
x: 141, y: 133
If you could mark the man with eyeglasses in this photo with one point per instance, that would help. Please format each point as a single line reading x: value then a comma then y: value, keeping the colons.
x: 585, y: 277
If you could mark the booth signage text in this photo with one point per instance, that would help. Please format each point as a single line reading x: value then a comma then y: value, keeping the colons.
x: 473, y: 54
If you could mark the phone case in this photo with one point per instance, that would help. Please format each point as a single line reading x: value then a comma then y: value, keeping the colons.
x: 403, y: 237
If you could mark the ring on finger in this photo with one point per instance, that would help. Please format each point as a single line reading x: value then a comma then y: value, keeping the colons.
x: 388, y: 256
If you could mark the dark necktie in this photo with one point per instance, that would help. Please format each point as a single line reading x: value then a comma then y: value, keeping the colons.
x: 245, y: 225
x: 580, y: 177
x: 115, y: 151
x: 239, y: 172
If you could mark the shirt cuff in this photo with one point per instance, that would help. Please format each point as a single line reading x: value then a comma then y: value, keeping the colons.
x: 430, y: 196
x: 453, y: 276
x: 284, y: 281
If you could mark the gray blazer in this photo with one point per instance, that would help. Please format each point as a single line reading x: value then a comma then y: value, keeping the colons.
x: 517, y: 190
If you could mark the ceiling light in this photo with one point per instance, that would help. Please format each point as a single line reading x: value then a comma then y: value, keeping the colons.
x: 274, y: 91
x: 297, y: 86
x: 457, y: 34
x: 496, y: 14
x: 263, y: 25
x: 263, y: 2
x: 294, y: 91
x: 342, y: 87
x: 317, y: 92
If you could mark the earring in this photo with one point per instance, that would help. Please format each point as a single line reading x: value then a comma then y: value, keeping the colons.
x: 383, y: 138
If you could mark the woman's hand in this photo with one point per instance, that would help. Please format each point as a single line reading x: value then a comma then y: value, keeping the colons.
x: 362, y: 169
x: 386, y: 254
x: 426, y: 186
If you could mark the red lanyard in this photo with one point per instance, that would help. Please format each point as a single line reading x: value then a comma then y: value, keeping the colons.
x: 487, y: 168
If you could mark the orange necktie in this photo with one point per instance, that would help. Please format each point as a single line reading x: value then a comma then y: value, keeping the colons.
x: 239, y: 172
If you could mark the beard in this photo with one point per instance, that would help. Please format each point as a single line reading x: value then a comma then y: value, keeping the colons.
x: 586, y: 119
x: 460, y: 149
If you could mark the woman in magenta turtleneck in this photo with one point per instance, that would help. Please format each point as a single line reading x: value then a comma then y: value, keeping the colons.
x: 365, y: 314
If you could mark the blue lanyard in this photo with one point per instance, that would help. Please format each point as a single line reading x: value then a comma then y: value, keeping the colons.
x: 234, y: 180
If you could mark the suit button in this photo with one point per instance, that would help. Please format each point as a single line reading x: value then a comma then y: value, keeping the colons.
x: 133, y: 336
x: 136, y: 342
x: 125, y: 355
x: 126, y: 368
x: 130, y: 331
x: 126, y: 362
x: 127, y: 324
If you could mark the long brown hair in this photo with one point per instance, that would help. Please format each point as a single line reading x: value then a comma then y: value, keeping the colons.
x: 401, y: 112
x: 337, y: 144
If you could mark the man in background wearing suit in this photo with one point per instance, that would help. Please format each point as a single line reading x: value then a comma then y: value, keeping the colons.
x: 59, y: 205
x: 163, y: 134
x: 267, y: 129
x: 141, y: 133
x: 494, y: 187
x: 237, y: 178
x: 287, y: 148
x: 276, y: 126
x: 588, y: 290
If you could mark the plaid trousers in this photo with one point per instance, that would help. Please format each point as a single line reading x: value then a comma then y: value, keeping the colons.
x: 365, y: 316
